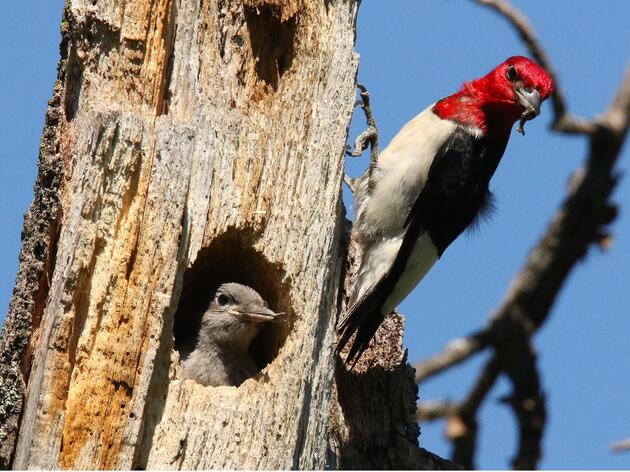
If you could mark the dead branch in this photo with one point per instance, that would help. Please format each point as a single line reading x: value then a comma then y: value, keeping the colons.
x: 461, y: 427
x: 621, y: 446
x: 464, y: 446
x: 456, y: 351
x: 435, y: 410
x: 518, y: 360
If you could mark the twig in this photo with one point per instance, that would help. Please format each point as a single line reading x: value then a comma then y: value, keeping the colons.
x: 621, y: 446
x: 563, y: 121
x: 518, y: 359
x: 486, y: 380
x: 465, y: 445
x: 461, y: 426
x: 456, y: 351
x: 435, y: 410
x: 617, y: 116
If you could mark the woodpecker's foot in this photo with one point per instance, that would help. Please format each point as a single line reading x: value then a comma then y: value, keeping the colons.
x: 370, y: 136
x: 361, y: 143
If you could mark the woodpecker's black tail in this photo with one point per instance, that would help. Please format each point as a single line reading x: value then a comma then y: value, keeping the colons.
x: 363, y: 319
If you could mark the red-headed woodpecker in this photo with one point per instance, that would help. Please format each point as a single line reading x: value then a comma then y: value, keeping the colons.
x: 430, y: 184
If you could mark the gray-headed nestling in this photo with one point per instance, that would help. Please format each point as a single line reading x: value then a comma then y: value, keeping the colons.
x: 221, y: 352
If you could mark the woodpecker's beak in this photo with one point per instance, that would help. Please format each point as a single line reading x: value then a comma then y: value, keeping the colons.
x: 257, y: 314
x: 530, y: 100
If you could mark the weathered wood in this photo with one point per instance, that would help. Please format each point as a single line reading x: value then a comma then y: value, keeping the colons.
x: 198, y: 140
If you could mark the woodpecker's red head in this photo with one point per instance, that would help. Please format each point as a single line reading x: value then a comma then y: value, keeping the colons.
x: 514, y: 89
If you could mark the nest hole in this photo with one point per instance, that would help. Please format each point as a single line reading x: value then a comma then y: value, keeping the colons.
x: 272, y: 41
x: 231, y: 258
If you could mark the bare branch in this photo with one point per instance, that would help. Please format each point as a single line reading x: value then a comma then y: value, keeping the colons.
x: 435, y: 410
x: 518, y: 360
x: 456, y: 351
x: 486, y: 380
x: 563, y: 121
x: 465, y: 444
x: 621, y: 446
x: 617, y: 116
x: 461, y: 430
x: 461, y: 426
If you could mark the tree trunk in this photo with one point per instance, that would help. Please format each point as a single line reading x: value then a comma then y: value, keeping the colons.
x: 190, y: 143
x: 197, y: 142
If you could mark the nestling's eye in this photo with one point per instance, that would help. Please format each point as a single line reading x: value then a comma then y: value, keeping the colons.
x: 222, y: 299
x: 512, y: 75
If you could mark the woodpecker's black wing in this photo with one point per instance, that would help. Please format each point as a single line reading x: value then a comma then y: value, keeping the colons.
x: 455, y: 194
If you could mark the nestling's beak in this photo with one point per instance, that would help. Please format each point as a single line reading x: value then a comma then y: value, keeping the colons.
x: 257, y: 314
x: 530, y: 100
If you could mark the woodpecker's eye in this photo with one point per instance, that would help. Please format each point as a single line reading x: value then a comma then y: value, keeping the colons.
x: 512, y: 75
x: 222, y: 299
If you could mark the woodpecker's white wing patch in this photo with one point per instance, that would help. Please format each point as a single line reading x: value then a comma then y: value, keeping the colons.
x: 422, y: 258
x: 379, y: 259
x: 375, y: 263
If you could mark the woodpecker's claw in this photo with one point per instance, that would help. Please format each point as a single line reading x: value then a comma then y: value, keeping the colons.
x: 360, y: 144
x: 369, y: 138
x: 350, y: 152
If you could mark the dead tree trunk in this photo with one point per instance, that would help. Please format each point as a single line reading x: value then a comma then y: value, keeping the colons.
x: 188, y: 143
x: 195, y: 142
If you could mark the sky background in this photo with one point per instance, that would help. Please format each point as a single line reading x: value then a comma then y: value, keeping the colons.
x: 413, y: 53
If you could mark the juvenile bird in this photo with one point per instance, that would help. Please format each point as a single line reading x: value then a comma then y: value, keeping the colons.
x: 220, y: 355
x: 430, y: 184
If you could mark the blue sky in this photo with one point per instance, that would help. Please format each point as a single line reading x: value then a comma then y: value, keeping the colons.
x: 412, y: 53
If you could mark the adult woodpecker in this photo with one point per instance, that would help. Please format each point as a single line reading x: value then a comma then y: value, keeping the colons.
x: 429, y: 185
x: 220, y: 354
